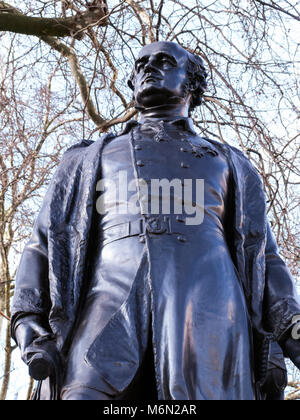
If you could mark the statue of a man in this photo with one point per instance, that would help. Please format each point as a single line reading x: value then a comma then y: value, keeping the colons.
x: 168, y: 284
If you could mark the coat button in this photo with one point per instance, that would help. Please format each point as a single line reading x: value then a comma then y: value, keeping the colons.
x: 183, y: 149
x: 140, y: 163
x: 142, y: 239
x: 137, y: 147
x: 181, y: 238
x: 184, y: 165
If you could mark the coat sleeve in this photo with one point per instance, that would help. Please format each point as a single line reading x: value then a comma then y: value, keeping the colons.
x: 281, y: 298
x: 31, y: 286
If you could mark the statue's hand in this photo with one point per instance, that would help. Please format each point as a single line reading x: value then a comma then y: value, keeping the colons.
x: 38, y: 349
x: 291, y: 345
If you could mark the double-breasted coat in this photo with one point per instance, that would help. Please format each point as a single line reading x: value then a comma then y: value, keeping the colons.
x: 51, y: 276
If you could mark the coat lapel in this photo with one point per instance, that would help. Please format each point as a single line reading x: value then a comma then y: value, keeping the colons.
x: 249, y: 230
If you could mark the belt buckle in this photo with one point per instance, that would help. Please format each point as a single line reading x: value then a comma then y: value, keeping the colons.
x: 157, y: 225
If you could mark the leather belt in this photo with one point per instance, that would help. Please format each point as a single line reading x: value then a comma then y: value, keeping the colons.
x: 156, y: 225
x: 151, y: 224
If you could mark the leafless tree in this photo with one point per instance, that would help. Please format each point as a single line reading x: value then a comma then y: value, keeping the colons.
x: 64, y: 67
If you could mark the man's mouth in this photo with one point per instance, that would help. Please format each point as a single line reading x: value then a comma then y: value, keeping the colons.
x: 150, y: 78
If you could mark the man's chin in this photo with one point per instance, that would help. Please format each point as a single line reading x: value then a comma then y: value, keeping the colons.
x: 152, y: 97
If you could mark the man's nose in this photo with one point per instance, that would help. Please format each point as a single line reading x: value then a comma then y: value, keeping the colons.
x: 150, y: 66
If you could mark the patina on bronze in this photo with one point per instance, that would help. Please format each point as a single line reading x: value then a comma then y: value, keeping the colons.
x: 144, y: 306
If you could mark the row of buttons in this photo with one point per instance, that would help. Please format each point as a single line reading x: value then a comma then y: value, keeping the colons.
x: 140, y: 163
x: 183, y: 165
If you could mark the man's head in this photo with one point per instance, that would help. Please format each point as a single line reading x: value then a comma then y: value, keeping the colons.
x: 165, y: 73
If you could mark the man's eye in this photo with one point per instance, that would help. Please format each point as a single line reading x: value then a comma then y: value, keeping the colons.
x: 166, y: 61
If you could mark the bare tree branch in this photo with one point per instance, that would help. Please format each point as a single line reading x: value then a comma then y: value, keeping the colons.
x: 273, y: 5
x: 4, y: 316
x: 13, y: 20
x: 78, y: 75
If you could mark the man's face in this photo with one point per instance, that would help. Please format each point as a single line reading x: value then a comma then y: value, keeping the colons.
x: 160, y: 75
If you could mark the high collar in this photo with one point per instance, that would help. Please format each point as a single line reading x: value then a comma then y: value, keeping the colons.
x: 185, y: 124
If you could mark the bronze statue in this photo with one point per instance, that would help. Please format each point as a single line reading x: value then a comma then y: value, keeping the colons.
x: 117, y: 300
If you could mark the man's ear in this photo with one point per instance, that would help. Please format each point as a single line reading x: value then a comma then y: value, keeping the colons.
x: 194, y: 84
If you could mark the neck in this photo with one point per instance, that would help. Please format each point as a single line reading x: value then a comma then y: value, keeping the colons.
x: 165, y: 112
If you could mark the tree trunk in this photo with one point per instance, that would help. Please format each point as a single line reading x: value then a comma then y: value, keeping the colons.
x: 7, y: 365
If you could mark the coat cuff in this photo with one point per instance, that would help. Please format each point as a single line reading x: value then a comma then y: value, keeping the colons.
x: 280, y: 317
x: 28, y: 302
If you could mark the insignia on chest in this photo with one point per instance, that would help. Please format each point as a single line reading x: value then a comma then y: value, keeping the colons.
x: 162, y: 132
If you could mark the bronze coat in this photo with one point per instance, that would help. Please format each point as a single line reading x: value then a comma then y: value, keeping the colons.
x: 57, y: 252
